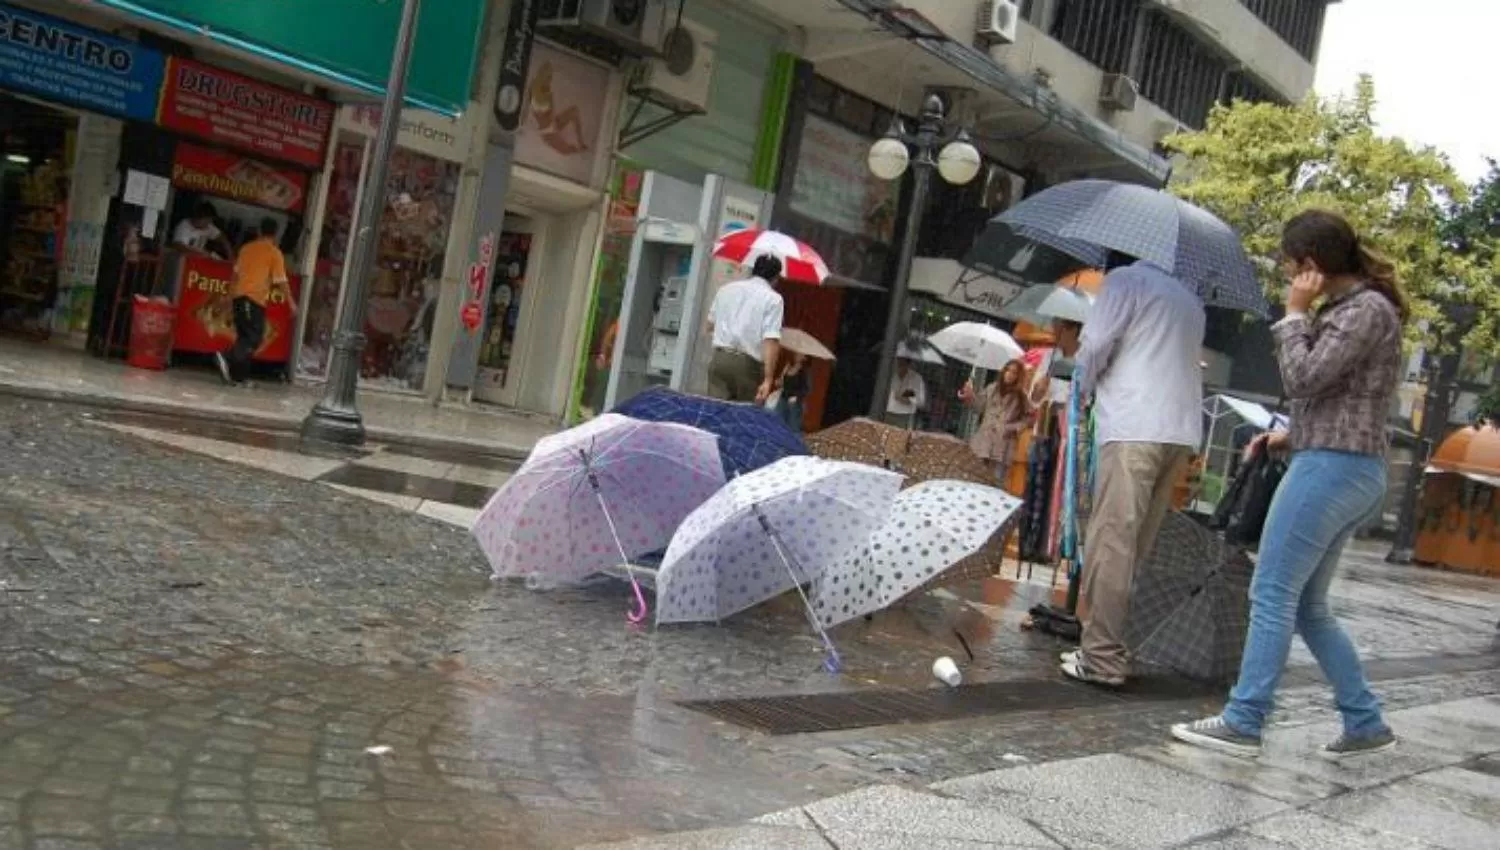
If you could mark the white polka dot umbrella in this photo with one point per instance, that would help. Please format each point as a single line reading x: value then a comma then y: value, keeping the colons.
x: 767, y: 532
x: 596, y: 496
x: 799, y: 262
x: 932, y: 527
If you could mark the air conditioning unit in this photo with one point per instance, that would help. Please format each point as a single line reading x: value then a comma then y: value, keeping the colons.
x: 1118, y: 93
x: 683, y: 75
x: 998, y: 20
x: 634, y: 25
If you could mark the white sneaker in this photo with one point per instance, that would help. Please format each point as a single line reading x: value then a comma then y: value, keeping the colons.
x: 1072, y: 656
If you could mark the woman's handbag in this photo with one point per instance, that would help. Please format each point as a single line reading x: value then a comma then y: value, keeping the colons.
x: 1241, y: 514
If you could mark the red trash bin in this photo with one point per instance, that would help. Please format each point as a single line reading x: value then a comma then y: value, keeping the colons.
x: 151, y: 324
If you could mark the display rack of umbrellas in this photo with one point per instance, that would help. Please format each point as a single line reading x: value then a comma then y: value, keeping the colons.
x: 720, y: 507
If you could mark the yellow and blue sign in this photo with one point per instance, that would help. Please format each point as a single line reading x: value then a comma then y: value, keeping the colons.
x: 59, y: 61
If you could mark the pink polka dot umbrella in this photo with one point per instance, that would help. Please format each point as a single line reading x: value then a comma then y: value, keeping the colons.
x: 598, y: 496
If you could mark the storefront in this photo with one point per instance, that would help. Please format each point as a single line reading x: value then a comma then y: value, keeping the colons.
x: 66, y: 91
x: 246, y: 152
x: 113, y: 154
x: 414, y: 245
x: 729, y: 153
x: 524, y: 301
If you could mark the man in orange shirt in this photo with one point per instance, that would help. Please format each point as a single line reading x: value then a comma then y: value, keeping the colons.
x: 259, y: 269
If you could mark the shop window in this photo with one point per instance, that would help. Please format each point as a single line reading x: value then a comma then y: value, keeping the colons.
x: 36, y: 150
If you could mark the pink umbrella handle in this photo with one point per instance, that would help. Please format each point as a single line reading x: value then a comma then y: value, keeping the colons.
x: 640, y: 611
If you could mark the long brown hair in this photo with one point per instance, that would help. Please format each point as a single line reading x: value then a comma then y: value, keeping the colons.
x: 1330, y: 242
x: 1018, y: 389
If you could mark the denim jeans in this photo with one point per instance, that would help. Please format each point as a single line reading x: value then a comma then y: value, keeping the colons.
x: 1323, y: 499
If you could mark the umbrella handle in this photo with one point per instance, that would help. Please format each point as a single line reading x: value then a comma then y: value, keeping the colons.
x: 637, y: 614
x: 832, y: 663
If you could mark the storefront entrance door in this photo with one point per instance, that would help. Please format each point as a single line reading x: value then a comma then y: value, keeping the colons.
x: 500, y: 353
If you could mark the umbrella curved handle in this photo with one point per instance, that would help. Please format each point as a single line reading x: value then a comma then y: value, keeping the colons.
x: 640, y: 610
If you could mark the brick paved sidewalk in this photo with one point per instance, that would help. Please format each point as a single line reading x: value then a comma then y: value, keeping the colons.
x: 1439, y: 789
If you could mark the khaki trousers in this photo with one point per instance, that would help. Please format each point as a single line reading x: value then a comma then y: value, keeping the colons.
x: 1132, y: 493
x: 734, y: 375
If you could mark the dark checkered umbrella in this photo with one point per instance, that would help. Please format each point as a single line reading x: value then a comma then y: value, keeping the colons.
x: 1190, y: 604
x: 1186, y: 241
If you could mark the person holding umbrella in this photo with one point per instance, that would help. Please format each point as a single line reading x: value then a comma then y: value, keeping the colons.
x: 908, y: 394
x: 1005, y: 411
x: 1340, y: 367
x: 1139, y: 361
x: 745, y: 324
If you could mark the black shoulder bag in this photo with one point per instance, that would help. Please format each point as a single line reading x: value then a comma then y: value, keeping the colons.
x: 1241, y: 514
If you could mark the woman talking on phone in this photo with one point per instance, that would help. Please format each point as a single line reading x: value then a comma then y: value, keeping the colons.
x: 1339, y: 349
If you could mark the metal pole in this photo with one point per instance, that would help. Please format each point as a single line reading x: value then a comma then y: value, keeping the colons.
x: 336, y: 418
x: 929, y: 132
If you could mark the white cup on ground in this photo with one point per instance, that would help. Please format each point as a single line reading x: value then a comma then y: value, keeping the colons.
x: 947, y: 672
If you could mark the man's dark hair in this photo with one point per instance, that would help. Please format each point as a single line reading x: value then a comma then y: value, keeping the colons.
x: 268, y: 227
x: 205, y: 210
x: 766, y: 267
x: 1118, y: 260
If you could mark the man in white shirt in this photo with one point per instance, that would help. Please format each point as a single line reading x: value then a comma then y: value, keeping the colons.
x: 908, y: 395
x: 197, y: 233
x: 1139, y: 359
x: 745, y: 323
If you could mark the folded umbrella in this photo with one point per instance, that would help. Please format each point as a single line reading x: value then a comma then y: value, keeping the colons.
x: 1186, y: 241
x: 1190, y: 603
x: 979, y: 345
x: 934, y: 530
x: 592, y: 497
x: 749, y: 435
x: 767, y: 532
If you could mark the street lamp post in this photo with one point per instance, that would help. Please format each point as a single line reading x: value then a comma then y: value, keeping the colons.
x: 336, y: 418
x: 958, y: 162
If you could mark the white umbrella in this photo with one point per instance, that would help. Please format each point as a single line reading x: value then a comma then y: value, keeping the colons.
x: 978, y: 345
x: 767, y: 532
x: 802, y: 342
x: 1039, y: 305
x: 932, y: 527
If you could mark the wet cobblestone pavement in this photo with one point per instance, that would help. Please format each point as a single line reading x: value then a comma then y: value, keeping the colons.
x: 196, y: 655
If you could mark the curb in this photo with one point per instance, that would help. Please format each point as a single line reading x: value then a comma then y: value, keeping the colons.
x: 253, y: 419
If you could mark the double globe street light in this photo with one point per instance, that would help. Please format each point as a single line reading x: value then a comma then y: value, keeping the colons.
x: 958, y: 162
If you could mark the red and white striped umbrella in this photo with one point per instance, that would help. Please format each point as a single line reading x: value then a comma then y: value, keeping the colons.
x: 799, y: 261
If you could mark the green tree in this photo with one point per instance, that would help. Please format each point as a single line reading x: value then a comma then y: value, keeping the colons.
x: 1255, y: 165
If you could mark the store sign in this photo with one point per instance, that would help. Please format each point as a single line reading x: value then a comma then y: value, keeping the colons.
x: 347, y: 41
x: 57, y: 60
x: 515, y: 61
x: 833, y: 185
x: 246, y: 114
x: 563, y: 115
x: 205, y: 316
x: 472, y: 313
x: 437, y: 136
x: 950, y: 282
x: 239, y: 178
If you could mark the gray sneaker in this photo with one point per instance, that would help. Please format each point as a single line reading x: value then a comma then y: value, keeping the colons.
x: 1347, y: 747
x: 1213, y: 733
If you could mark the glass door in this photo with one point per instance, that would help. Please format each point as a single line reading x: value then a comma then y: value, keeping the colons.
x: 498, y: 378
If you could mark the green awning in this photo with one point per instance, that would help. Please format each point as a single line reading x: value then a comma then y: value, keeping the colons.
x: 347, y: 41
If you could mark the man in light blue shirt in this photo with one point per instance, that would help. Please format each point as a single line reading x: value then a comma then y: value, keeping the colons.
x: 1140, y: 361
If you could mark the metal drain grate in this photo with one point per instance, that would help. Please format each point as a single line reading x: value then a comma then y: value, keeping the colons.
x: 790, y: 715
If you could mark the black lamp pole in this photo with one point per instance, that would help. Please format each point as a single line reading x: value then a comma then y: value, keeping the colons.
x: 925, y: 140
x: 336, y: 418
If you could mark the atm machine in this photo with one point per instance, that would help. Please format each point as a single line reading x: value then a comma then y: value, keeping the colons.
x: 668, y: 279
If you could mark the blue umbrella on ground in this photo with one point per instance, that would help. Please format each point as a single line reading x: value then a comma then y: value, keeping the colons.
x: 1186, y: 241
x: 750, y: 436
